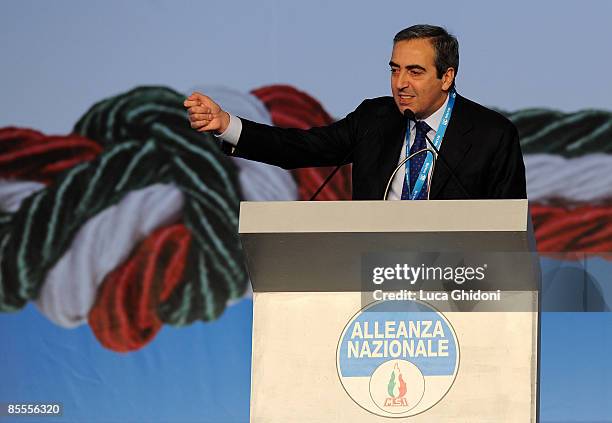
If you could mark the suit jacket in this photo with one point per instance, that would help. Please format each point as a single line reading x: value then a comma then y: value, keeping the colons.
x: 480, y: 145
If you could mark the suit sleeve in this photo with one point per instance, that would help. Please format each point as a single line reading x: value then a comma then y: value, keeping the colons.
x: 293, y: 148
x: 507, y: 175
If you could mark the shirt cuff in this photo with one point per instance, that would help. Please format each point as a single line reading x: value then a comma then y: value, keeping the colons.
x: 232, y: 132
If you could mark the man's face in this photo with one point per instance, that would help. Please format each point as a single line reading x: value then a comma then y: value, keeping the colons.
x: 414, y: 81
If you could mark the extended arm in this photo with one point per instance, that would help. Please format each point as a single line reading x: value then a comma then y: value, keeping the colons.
x: 287, y: 148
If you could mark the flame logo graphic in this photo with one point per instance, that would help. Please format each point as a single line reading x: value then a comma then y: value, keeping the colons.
x: 396, y: 386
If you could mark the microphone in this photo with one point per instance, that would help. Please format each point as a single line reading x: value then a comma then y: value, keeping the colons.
x: 409, y: 114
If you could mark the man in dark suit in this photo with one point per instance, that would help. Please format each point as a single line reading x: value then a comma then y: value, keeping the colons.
x: 479, y: 151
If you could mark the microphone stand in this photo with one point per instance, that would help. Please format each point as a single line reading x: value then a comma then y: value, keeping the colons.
x: 399, y: 166
x: 342, y: 163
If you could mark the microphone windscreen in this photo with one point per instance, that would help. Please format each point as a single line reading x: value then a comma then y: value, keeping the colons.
x: 409, y: 114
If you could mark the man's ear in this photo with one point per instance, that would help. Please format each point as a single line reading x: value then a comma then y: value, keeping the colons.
x: 448, y: 78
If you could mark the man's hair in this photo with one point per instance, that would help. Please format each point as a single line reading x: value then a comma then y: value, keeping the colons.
x: 445, y: 45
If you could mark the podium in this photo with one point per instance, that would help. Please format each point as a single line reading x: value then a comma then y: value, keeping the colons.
x: 327, y: 347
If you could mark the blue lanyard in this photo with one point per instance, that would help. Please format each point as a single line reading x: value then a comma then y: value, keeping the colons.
x: 418, y: 185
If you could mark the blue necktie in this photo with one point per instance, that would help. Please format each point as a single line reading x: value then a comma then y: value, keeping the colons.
x: 417, y: 161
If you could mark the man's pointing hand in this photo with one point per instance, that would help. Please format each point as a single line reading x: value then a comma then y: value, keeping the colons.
x: 205, y: 115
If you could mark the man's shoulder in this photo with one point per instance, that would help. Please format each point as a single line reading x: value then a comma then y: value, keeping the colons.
x: 381, y: 106
x: 483, y: 115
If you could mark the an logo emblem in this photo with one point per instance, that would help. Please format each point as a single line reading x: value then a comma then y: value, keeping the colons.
x: 397, y: 358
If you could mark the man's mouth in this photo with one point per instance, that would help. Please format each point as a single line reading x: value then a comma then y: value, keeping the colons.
x: 405, y: 97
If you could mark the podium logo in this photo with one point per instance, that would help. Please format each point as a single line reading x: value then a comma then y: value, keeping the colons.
x: 397, y: 386
x: 397, y: 358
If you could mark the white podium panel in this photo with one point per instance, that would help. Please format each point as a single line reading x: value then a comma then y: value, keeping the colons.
x: 323, y: 352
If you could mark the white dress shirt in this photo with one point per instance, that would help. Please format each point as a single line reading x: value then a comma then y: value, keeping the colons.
x: 233, y: 130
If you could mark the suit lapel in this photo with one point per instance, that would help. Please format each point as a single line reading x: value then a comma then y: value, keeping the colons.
x: 455, y: 146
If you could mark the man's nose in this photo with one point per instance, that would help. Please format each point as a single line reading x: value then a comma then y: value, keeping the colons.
x: 402, y: 80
